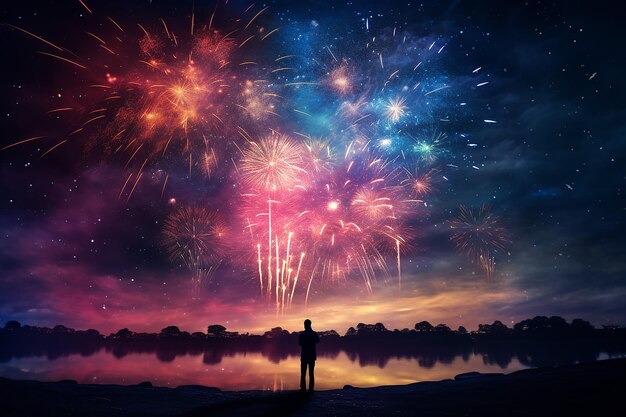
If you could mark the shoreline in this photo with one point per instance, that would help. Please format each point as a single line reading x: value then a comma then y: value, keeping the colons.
x: 590, y: 388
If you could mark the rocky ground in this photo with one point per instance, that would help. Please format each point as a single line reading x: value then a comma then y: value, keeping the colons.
x: 593, y: 389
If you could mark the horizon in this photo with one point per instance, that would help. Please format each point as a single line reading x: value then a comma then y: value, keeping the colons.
x: 339, y: 331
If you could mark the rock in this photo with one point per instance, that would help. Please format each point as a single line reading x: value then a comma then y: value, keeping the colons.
x: 144, y: 384
x: 471, y: 375
x: 348, y: 387
x: 68, y: 382
x: 197, y: 388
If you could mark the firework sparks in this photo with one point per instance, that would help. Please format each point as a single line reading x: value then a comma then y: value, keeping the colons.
x: 194, y: 236
x: 341, y: 79
x: 271, y: 169
x: 395, y: 109
x: 358, y: 212
x: 154, y: 93
x: 479, y: 234
x: 272, y: 164
x: 429, y: 150
x: 315, y: 212
x: 347, y: 217
x: 182, y: 105
x: 422, y: 184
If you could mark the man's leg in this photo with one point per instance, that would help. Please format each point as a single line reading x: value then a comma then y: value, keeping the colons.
x: 311, y: 375
x: 303, y: 375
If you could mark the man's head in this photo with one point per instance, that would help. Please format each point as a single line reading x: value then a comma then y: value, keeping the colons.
x: 307, y: 324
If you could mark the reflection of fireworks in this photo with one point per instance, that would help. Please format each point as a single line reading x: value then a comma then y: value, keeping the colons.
x: 479, y: 235
x: 194, y: 236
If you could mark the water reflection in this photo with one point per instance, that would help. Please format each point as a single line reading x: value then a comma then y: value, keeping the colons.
x: 272, y: 367
x: 237, y: 371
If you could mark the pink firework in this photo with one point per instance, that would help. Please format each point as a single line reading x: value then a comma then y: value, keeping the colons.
x: 349, y: 216
x: 355, y: 216
x: 271, y: 173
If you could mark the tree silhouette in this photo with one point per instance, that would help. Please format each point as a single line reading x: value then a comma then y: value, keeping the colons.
x: 377, y: 328
x: 424, y: 327
x: 12, y: 325
x: 170, y: 331
x: 581, y: 326
x: 442, y: 328
x: 123, y: 333
x: 216, y: 330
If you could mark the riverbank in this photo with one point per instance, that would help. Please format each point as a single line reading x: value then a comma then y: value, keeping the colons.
x: 593, y: 388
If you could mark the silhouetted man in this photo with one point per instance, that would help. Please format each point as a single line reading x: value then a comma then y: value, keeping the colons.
x: 308, y: 339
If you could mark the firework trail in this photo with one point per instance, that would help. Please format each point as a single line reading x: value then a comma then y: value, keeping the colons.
x: 479, y: 235
x: 270, y: 171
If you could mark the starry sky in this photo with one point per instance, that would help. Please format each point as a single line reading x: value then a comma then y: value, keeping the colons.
x: 532, y: 111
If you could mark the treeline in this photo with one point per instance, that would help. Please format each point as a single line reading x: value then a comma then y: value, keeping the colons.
x: 537, y: 326
x: 534, y: 342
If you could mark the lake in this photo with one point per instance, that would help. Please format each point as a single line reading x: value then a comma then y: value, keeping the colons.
x: 259, y: 371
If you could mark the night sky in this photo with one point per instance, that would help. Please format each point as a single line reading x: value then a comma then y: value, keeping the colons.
x: 526, y: 97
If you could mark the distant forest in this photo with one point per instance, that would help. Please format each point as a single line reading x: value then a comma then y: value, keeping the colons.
x: 540, y: 341
x: 541, y: 326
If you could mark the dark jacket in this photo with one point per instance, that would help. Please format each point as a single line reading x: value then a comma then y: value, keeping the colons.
x: 308, y: 339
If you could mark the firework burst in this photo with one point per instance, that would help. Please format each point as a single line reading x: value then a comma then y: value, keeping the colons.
x: 314, y: 212
x: 194, y: 237
x: 421, y: 183
x: 349, y: 217
x: 356, y: 213
x: 429, y: 149
x: 156, y: 93
x: 341, y: 79
x: 272, y: 164
x: 479, y: 235
x: 271, y: 172
x: 185, y: 97
x: 395, y: 109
